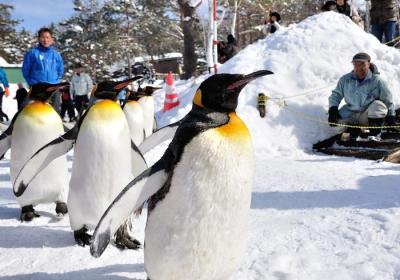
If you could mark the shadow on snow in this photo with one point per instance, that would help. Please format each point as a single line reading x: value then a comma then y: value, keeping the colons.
x: 98, y: 273
x: 375, y: 192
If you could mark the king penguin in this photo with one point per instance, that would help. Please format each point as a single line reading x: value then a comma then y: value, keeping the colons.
x: 146, y: 100
x: 32, y: 127
x: 198, y: 193
x: 134, y: 115
x: 102, y: 165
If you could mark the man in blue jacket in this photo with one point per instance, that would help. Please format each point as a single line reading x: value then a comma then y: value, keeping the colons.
x: 368, y: 99
x: 43, y: 63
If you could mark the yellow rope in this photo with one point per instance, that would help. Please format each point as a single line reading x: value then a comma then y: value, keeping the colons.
x: 283, y: 104
x: 395, y: 39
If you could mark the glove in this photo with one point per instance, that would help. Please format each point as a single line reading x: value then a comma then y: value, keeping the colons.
x: 7, y: 91
x: 333, y: 115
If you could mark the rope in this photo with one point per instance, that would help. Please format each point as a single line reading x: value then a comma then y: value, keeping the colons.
x: 284, y: 104
x: 315, y: 91
x: 395, y: 39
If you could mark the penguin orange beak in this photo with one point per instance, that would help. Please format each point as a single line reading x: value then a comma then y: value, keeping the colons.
x: 239, y: 84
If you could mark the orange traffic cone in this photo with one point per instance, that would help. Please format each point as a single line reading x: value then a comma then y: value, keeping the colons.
x: 171, y: 96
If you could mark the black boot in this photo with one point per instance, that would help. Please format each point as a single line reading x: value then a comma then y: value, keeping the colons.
x: 28, y: 214
x: 354, y: 132
x: 378, y: 122
x: 61, y: 208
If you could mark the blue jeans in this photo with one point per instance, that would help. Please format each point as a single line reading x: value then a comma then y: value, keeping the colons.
x: 388, y: 28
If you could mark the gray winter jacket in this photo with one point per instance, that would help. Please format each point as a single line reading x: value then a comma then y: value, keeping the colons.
x: 359, y: 95
x: 383, y: 11
x: 80, y: 85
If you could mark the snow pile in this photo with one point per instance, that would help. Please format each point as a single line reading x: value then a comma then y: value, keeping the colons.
x: 310, y: 55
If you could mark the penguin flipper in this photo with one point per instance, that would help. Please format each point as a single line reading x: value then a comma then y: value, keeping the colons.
x: 138, y: 161
x: 154, y: 125
x: 45, y: 155
x: 5, y: 145
x: 5, y: 137
x: 130, y: 199
x: 159, y: 136
x: 42, y: 158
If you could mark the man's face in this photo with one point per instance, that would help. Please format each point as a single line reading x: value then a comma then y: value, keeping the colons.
x: 78, y: 70
x: 273, y: 18
x: 361, y: 69
x: 45, y: 39
x: 340, y: 2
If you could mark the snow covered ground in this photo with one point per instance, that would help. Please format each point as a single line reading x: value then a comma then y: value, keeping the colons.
x: 312, y: 216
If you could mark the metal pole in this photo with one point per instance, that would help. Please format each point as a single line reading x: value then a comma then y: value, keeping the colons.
x: 215, y: 41
x: 367, y: 26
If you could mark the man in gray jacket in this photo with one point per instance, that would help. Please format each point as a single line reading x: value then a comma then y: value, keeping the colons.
x: 383, y: 19
x: 368, y: 99
x: 80, y: 87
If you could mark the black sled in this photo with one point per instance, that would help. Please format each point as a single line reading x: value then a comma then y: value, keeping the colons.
x: 387, y: 148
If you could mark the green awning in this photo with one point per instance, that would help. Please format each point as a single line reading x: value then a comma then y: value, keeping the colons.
x: 14, y: 75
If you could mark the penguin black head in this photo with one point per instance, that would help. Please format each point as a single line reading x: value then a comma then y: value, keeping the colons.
x: 220, y: 92
x: 147, y: 90
x: 43, y: 91
x: 110, y: 89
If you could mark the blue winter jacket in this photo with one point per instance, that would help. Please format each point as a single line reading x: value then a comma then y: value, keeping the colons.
x: 42, y: 65
x: 3, y: 79
x: 359, y: 95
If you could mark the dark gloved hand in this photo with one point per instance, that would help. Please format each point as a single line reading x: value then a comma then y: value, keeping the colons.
x: 333, y: 115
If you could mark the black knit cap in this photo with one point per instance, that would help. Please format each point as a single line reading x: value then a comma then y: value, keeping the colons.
x: 361, y: 57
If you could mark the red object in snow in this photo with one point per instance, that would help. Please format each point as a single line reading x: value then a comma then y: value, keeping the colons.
x: 171, y: 96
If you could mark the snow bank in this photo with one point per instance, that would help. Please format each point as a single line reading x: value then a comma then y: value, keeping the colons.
x: 310, y: 55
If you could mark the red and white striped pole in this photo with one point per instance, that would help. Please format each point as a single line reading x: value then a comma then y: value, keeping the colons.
x: 215, y: 39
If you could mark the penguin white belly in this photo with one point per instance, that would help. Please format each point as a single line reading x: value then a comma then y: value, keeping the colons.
x: 35, y: 126
x: 147, y: 103
x: 134, y: 115
x: 102, y: 164
x: 198, y: 231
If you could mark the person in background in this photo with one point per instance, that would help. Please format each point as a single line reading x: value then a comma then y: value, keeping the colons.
x: 231, y: 48
x: 122, y: 96
x: 345, y: 8
x: 329, y: 6
x: 368, y: 101
x: 21, y: 96
x: 80, y: 87
x: 383, y: 19
x: 272, y: 24
x: 227, y: 50
x: 43, y: 63
x: 67, y: 105
x: 4, y: 90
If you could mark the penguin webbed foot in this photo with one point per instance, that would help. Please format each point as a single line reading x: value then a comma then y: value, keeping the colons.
x: 124, y: 241
x: 28, y: 214
x: 61, y: 208
x: 82, y: 238
x: 128, y: 243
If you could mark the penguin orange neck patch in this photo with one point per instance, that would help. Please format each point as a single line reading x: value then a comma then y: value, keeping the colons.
x: 235, y: 128
x: 105, y: 110
x: 38, y: 107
